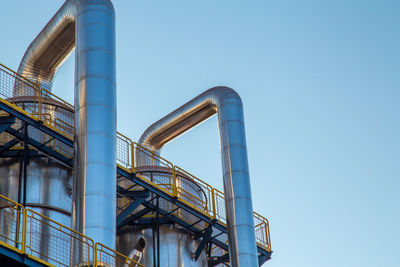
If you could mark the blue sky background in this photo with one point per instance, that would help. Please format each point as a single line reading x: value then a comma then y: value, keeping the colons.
x: 321, y: 88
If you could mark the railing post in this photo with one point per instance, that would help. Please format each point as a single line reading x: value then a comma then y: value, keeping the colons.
x: 95, y: 255
x: 268, y: 236
x: 174, y: 185
x: 40, y: 103
x: 133, y: 156
x: 24, y: 222
x: 213, y: 203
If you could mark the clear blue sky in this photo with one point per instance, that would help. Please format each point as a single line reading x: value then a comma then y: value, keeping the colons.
x: 321, y: 88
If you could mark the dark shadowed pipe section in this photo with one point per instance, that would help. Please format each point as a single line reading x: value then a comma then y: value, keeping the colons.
x: 89, y: 26
x: 227, y: 104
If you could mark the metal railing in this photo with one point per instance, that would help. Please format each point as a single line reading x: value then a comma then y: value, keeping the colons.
x: 149, y: 166
x: 11, y: 224
x: 51, y: 243
x: 108, y: 257
x: 263, y: 237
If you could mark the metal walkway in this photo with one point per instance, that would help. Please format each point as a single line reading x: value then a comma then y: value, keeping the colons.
x: 142, y: 203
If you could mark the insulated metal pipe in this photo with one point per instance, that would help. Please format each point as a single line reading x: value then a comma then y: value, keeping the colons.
x: 50, y: 48
x: 89, y: 26
x: 227, y: 104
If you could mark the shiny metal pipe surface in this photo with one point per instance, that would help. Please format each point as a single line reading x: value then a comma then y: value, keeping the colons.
x: 227, y: 104
x: 89, y: 26
x: 94, y: 202
x: 50, y: 48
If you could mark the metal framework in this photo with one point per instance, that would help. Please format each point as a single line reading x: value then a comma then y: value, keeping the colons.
x: 139, y: 196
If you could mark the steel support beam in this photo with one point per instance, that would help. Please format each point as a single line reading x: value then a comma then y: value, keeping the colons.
x: 140, y: 197
x: 6, y: 122
x: 37, y: 145
x: 218, y: 260
x: 35, y: 123
x: 8, y: 145
x: 9, y: 257
x: 262, y: 258
x: 206, y: 237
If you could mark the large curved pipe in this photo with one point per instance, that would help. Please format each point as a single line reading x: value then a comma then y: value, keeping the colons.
x: 227, y: 104
x: 88, y: 25
x: 50, y: 48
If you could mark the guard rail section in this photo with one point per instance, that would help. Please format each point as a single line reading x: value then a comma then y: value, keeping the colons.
x: 24, y: 231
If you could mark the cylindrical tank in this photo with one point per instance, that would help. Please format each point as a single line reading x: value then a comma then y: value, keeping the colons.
x: 48, y: 182
x: 177, y: 245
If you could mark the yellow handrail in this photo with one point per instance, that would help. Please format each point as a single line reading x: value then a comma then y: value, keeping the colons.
x: 12, y: 231
x: 19, y: 76
x: 106, y: 256
x: 59, y: 235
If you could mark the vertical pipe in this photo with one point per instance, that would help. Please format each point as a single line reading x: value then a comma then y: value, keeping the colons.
x: 238, y: 202
x: 94, y: 201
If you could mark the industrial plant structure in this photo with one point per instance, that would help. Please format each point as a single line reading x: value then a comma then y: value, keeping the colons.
x: 75, y: 192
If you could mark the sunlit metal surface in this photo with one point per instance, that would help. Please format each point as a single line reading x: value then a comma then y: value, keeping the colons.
x: 88, y: 25
x: 95, y: 122
x: 227, y: 104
